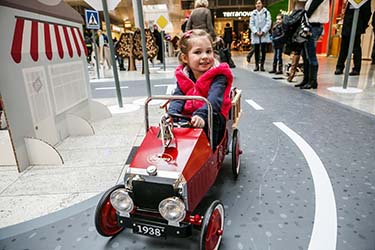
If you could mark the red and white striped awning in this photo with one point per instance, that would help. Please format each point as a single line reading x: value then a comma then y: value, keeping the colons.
x: 51, y: 39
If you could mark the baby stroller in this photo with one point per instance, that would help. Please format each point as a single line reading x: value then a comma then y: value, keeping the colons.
x: 223, y: 53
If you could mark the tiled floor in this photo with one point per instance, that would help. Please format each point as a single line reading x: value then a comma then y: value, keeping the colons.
x: 95, y: 163
x: 364, y: 101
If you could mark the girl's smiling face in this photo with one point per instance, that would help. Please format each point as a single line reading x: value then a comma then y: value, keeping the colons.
x: 200, y: 56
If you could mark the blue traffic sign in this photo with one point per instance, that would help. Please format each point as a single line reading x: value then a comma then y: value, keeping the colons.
x: 92, y: 19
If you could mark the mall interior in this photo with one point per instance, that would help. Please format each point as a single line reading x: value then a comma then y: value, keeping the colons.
x: 88, y: 161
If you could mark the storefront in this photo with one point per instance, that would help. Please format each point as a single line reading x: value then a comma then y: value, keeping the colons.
x: 330, y: 42
x: 238, y: 20
x: 115, y: 30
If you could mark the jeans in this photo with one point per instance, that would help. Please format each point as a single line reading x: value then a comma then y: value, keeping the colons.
x: 278, y: 56
x: 218, y: 130
x: 309, y: 50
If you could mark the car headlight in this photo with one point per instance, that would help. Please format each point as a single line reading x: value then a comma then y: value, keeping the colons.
x: 172, y: 209
x: 121, y: 201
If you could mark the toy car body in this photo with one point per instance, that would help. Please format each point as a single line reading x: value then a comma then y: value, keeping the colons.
x: 168, y: 177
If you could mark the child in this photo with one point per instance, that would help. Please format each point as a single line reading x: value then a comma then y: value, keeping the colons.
x: 200, y: 74
x: 278, y: 44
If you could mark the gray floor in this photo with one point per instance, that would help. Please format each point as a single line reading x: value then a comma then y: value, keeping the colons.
x: 273, y: 205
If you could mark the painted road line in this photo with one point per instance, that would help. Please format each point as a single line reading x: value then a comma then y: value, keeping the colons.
x: 110, y: 88
x: 254, y: 105
x: 324, y: 233
x: 170, y: 88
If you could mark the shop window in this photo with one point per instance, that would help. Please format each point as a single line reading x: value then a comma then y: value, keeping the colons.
x: 187, y: 4
x: 223, y: 2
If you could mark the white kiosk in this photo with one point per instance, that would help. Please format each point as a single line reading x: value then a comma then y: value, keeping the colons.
x: 44, y: 79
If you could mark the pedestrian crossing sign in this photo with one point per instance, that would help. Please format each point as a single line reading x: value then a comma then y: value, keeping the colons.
x: 92, y: 19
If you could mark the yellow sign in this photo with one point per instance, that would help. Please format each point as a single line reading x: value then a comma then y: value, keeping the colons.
x: 358, y: 3
x: 162, y: 22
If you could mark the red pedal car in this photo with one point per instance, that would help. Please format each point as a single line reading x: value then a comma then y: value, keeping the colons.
x: 168, y: 177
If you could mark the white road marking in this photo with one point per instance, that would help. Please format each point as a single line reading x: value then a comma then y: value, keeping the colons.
x: 108, y: 88
x: 324, y: 233
x: 255, y: 105
x: 170, y: 88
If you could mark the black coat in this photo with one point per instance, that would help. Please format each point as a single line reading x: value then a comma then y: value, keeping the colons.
x: 373, y: 21
x: 158, y: 41
x: 227, y: 35
x: 278, y: 36
x: 363, y: 19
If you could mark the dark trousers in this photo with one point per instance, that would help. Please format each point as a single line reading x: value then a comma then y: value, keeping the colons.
x: 227, y: 44
x: 357, y: 53
x: 257, y: 48
x: 120, y: 62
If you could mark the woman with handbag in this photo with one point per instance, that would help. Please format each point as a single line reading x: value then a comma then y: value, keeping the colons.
x: 318, y: 13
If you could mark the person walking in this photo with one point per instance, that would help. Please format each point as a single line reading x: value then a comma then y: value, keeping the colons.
x: 318, y: 13
x: 158, y: 41
x: 278, y: 45
x: 183, y: 25
x: 227, y: 36
x: 260, y: 24
x: 364, y: 18
x: 200, y: 18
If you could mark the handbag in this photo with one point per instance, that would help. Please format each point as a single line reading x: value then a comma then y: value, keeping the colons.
x: 303, y: 32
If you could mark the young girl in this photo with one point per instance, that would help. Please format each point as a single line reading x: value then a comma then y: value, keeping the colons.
x: 278, y: 44
x: 200, y: 74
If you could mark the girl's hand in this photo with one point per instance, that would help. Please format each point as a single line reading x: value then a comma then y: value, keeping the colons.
x: 197, y: 122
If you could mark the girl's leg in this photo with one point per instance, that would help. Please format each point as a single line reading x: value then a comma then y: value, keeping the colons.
x: 218, y: 129
x: 274, y: 64
x: 275, y: 56
x: 219, y: 123
x: 280, y: 60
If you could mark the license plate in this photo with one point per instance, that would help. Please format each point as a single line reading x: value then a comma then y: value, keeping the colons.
x: 149, y: 230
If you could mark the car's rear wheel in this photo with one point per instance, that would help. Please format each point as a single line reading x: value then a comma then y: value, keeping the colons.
x: 212, y: 227
x: 236, y: 153
x: 105, y: 215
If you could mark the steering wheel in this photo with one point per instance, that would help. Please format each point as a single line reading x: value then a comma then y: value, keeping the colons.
x: 180, y: 120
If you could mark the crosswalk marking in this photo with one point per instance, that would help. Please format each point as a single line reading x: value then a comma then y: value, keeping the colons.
x: 254, y: 104
x: 108, y: 88
x: 170, y: 88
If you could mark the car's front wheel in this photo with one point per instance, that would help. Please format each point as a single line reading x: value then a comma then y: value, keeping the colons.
x: 212, y: 226
x: 105, y: 215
